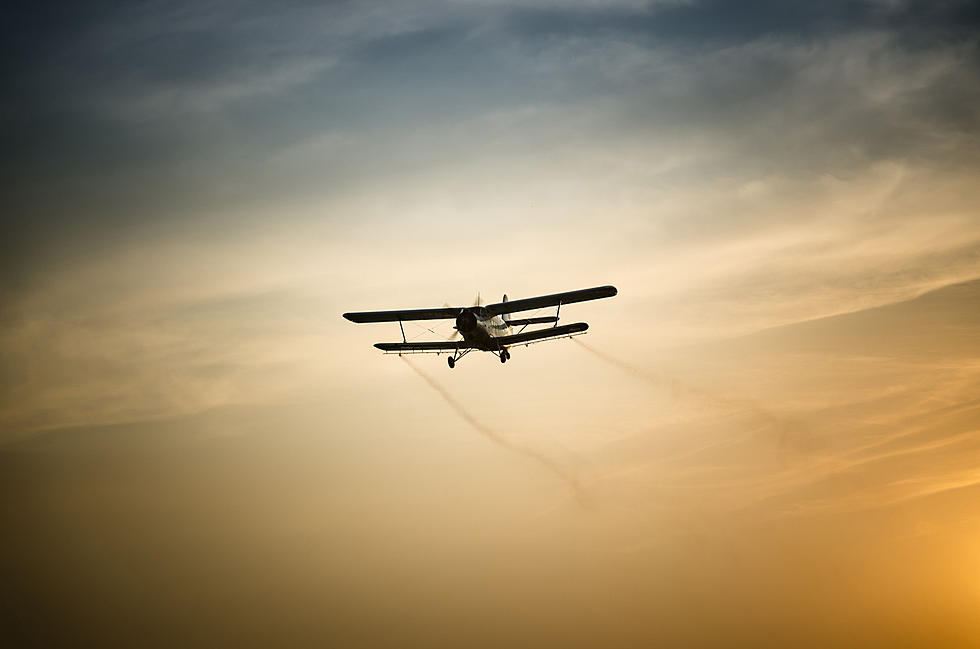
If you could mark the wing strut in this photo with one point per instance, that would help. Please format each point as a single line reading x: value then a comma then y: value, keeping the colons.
x: 557, y: 312
x: 403, y: 331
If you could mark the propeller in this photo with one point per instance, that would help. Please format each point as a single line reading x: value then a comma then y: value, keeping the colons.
x: 455, y: 334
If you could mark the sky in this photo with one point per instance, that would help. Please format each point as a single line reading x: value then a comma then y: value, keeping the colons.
x: 770, y: 437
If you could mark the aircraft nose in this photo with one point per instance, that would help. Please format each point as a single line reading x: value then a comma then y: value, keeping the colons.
x: 465, y: 321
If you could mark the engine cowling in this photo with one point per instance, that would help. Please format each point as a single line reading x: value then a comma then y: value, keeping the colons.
x: 466, y: 322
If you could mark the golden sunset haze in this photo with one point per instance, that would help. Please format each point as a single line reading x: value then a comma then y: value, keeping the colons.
x: 769, y: 438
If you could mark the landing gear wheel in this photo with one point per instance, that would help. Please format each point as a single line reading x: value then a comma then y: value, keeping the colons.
x: 504, y: 355
x: 452, y: 362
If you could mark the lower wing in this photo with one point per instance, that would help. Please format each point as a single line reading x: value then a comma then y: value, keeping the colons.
x: 503, y: 341
x: 542, y: 334
x: 423, y: 347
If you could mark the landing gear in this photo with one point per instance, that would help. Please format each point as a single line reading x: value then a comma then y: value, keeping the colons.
x: 455, y: 356
x: 504, y: 355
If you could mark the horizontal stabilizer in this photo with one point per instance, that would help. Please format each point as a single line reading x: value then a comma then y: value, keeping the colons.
x: 522, y: 322
x: 541, y: 334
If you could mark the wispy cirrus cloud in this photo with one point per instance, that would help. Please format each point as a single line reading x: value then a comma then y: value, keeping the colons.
x: 194, y: 193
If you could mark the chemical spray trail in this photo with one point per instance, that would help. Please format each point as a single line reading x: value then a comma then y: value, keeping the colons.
x: 782, y: 426
x: 496, y: 438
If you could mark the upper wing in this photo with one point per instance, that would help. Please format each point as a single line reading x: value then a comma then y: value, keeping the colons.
x: 551, y: 300
x: 446, y: 313
x: 423, y: 347
x: 540, y: 334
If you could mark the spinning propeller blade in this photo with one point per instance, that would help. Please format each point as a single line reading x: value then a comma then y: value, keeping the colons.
x: 455, y: 334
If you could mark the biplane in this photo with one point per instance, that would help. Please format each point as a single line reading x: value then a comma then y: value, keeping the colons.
x: 486, y: 327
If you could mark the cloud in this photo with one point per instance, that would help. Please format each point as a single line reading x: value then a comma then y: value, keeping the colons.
x: 719, y: 22
x: 139, y: 106
x: 194, y: 193
x: 737, y: 168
